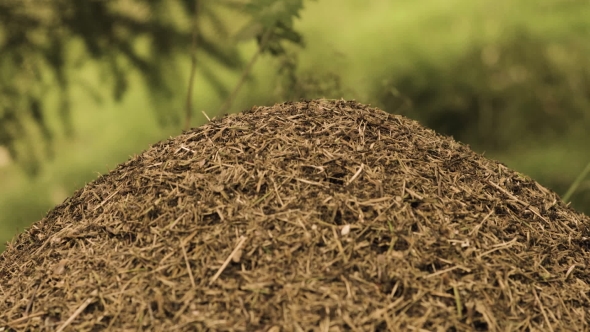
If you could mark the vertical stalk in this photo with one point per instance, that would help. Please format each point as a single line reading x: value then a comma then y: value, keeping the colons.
x: 227, y: 104
x: 189, y: 96
x: 566, y: 197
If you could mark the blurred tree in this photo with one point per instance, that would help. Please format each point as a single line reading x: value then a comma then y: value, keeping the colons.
x: 296, y: 84
x: 271, y: 24
x: 123, y: 36
x: 520, y: 88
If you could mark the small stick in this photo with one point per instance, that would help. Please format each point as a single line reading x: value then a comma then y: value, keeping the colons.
x: 340, y: 248
x: 356, y: 175
x: 542, y: 309
x: 442, y: 272
x: 24, y: 318
x: 458, y: 301
x: 207, y: 116
x: 188, y: 266
x: 525, y: 205
x: 30, y: 304
x: 229, y: 258
x: 75, y: 314
x: 106, y: 200
x: 569, y: 271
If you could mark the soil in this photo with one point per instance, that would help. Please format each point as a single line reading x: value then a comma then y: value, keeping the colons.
x: 322, y: 215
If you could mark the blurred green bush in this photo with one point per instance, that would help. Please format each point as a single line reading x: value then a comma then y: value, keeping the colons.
x: 521, y: 91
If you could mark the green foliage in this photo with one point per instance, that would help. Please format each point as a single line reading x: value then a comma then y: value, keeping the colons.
x: 517, y: 90
x: 523, y: 99
x: 275, y: 18
x: 295, y: 84
x: 42, y: 43
x: 271, y: 24
x: 271, y: 12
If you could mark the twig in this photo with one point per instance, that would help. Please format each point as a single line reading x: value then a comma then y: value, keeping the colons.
x: 542, y: 309
x: 227, y: 104
x: 75, y: 314
x: 262, y: 198
x: 569, y: 271
x: 207, y: 116
x: 191, y: 81
x: 25, y: 318
x: 188, y: 266
x: 445, y: 271
x: 356, y: 175
x: 525, y: 205
x: 458, y: 301
x: 105, y: 200
x: 31, y: 300
x: 228, y: 259
x: 310, y: 182
x: 380, y: 312
x: 340, y: 248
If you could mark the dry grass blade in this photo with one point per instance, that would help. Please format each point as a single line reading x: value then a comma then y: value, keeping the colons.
x: 229, y: 258
x: 75, y: 314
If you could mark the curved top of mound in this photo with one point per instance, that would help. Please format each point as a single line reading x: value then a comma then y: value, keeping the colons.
x: 321, y: 215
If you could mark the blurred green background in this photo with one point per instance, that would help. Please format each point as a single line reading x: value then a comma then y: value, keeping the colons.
x: 511, y: 78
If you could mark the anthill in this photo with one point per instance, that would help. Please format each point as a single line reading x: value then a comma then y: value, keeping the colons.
x: 311, y: 216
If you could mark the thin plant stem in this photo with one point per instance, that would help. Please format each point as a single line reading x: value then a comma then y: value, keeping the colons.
x: 189, y: 96
x: 566, y: 197
x: 227, y: 104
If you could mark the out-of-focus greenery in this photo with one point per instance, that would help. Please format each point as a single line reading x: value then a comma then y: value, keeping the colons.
x: 518, y: 89
x: 509, y: 77
x: 43, y: 43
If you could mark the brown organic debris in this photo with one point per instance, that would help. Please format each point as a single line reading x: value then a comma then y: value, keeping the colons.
x: 310, y: 216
